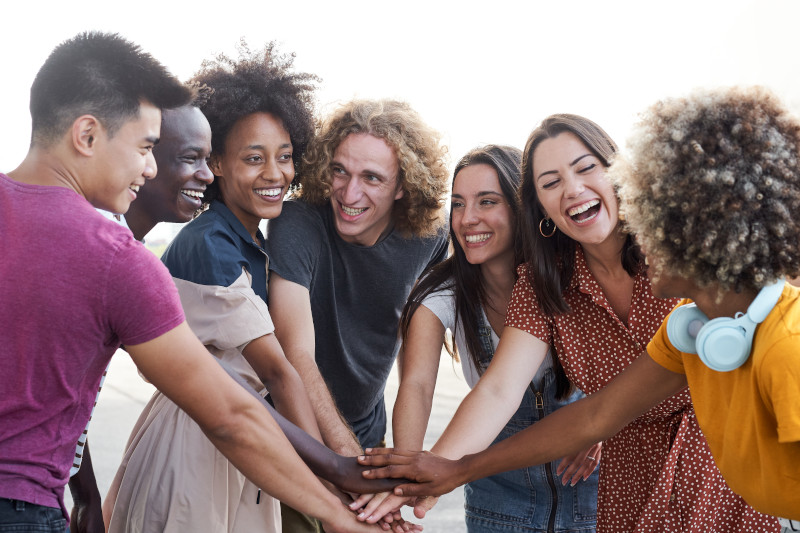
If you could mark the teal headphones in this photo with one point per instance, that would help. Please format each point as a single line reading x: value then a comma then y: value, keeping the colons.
x: 724, y: 343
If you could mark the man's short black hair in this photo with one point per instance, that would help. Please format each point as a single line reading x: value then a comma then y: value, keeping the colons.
x: 101, y: 74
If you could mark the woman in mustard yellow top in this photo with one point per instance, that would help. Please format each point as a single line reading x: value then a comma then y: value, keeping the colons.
x: 712, y: 191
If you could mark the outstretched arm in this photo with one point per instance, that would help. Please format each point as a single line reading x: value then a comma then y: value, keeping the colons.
x: 284, y: 385
x: 418, y: 365
x: 497, y: 395
x: 180, y: 366
x: 344, y: 472
x: 642, y: 385
x: 290, y: 307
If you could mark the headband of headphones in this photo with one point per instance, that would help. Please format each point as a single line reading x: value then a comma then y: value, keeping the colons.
x: 724, y: 343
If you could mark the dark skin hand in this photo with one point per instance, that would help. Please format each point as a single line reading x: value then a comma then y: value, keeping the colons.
x: 87, y: 514
x: 577, y: 426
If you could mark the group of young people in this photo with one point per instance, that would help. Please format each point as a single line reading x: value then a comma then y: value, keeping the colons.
x: 271, y: 353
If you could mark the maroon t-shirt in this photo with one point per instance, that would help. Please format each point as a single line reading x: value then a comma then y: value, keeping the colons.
x: 73, y: 287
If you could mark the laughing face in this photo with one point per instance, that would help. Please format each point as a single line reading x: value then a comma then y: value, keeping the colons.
x: 124, y: 161
x: 364, y: 187
x: 573, y: 190
x: 481, y: 218
x: 183, y: 174
x: 256, y: 169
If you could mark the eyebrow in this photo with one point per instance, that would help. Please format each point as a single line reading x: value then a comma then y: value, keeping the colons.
x: 193, y: 149
x: 152, y: 140
x: 366, y: 171
x: 262, y: 147
x: 479, y: 194
x: 546, y: 172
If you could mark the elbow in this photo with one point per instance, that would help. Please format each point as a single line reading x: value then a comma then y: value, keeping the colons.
x: 229, y: 426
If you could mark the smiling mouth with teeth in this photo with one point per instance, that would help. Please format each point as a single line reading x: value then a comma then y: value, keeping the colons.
x: 269, y: 193
x: 134, y: 188
x: 351, y: 211
x: 478, y: 238
x: 194, y: 194
x: 585, y: 211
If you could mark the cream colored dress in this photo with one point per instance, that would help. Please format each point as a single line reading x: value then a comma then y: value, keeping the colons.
x: 172, y: 478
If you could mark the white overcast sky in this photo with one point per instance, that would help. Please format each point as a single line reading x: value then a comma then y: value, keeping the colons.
x: 479, y: 72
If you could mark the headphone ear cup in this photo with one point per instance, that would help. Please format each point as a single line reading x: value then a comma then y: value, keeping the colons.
x: 723, y: 345
x: 683, y: 326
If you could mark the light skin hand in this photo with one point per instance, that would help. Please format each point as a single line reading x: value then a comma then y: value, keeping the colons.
x: 579, y: 466
x: 432, y: 475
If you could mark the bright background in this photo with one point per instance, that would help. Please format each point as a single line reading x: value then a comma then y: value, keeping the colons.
x: 479, y: 72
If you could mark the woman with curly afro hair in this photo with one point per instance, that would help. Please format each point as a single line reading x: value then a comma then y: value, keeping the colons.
x: 171, y: 478
x: 712, y: 191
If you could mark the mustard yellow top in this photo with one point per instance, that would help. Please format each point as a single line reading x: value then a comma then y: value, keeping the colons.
x: 751, y: 415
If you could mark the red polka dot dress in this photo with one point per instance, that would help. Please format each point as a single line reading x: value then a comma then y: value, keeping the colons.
x: 657, y: 474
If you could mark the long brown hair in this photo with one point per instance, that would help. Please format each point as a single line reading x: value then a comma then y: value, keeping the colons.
x: 551, y: 260
x: 456, y: 273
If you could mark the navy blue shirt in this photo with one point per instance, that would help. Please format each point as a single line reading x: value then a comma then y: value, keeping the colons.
x: 213, y: 248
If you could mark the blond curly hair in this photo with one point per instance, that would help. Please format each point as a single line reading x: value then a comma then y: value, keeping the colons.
x: 421, y: 159
x: 711, y: 187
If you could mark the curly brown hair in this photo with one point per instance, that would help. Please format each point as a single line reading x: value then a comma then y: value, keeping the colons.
x: 712, y: 187
x: 421, y: 159
x: 257, y: 82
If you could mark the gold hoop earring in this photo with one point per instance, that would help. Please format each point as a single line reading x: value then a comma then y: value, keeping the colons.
x: 547, y: 222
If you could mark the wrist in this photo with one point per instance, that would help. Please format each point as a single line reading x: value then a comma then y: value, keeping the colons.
x: 465, y: 468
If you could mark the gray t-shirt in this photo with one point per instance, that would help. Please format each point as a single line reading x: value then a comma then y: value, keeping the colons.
x: 357, y: 294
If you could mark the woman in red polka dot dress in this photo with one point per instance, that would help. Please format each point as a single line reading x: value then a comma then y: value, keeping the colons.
x: 584, y: 292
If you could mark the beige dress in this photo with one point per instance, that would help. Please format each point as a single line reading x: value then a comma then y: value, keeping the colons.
x: 172, y: 478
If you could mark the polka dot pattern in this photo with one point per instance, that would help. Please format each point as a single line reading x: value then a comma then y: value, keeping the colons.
x: 657, y: 474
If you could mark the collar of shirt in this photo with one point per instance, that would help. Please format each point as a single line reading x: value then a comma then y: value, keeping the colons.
x: 236, y: 225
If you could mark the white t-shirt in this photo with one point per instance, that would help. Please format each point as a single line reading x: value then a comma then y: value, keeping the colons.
x: 442, y: 303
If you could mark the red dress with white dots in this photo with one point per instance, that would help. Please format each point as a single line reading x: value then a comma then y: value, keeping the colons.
x: 657, y: 474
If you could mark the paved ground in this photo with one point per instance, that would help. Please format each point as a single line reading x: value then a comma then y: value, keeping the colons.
x: 125, y: 394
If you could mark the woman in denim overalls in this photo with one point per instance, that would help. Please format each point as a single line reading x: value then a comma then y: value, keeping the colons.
x: 468, y: 294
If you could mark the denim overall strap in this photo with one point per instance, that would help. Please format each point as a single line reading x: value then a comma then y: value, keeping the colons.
x: 528, y: 499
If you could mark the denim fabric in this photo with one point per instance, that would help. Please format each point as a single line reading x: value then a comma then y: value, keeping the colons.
x: 19, y: 516
x: 787, y: 526
x: 531, y: 499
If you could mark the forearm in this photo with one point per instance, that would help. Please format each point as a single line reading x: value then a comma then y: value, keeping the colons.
x: 568, y: 430
x: 479, y: 419
x: 291, y: 401
x: 83, y: 485
x: 336, y: 433
x: 344, y: 472
x: 412, y: 410
x: 579, y: 425
x: 254, y: 444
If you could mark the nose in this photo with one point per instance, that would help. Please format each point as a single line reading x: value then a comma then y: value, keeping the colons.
x: 204, y: 173
x: 471, y: 215
x: 352, y: 190
x: 573, y: 186
x: 150, y: 167
x: 271, y: 171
